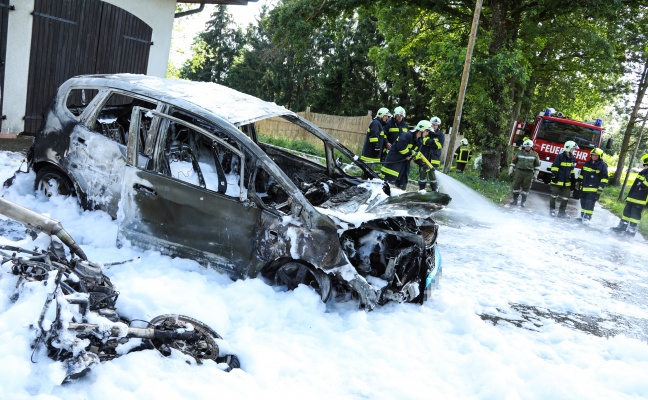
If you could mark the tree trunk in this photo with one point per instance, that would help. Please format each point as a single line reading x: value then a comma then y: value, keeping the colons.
x: 491, y: 162
x: 641, y: 91
x: 492, y: 156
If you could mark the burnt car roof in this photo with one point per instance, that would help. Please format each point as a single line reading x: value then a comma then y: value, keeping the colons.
x: 228, y: 104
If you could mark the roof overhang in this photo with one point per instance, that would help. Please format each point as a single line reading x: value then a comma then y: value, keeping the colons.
x: 224, y: 2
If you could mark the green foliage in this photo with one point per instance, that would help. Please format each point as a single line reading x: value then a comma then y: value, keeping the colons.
x: 214, y: 50
x: 496, y: 190
x: 293, y: 144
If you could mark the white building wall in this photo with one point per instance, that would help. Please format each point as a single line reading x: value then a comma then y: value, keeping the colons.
x: 158, y: 14
x: 19, y: 32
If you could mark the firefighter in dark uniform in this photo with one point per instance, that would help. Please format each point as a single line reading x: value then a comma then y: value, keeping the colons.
x: 462, y: 155
x: 563, y: 179
x: 397, y: 163
x: 635, y: 202
x: 524, y: 168
x: 591, y: 181
x: 375, y: 140
x: 431, y: 149
x: 394, y: 127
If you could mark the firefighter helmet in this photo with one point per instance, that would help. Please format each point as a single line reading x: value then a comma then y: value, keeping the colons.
x: 423, y: 125
x: 597, y: 151
x: 399, y: 111
x: 644, y: 159
x: 435, y: 120
x: 527, y: 142
x: 464, y: 142
x: 382, y: 112
x: 570, y: 145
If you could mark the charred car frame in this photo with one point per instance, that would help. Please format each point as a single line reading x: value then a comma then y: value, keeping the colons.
x: 181, y: 167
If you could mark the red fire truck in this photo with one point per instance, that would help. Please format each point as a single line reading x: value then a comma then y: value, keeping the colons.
x: 549, y: 132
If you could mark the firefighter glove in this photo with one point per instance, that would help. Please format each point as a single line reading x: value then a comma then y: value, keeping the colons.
x: 535, y: 175
x: 511, y: 169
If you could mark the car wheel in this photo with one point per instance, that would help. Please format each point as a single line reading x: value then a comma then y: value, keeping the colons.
x: 52, y: 181
x: 292, y: 274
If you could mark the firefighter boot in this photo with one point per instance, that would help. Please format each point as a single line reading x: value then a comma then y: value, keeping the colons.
x: 524, y: 197
x: 621, y: 227
x: 632, y: 229
x: 515, y: 197
x: 587, y: 218
x: 422, y: 185
x: 562, y: 209
x: 433, y: 186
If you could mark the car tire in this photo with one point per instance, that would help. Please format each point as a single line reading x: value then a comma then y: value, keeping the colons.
x: 52, y: 181
x: 292, y: 274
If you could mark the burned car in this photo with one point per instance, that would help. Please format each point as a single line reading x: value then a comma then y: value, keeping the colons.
x: 181, y: 167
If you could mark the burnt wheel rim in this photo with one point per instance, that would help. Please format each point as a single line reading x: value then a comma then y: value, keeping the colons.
x: 203, y: 349
x: 54, y: 184
x: 293, y: 274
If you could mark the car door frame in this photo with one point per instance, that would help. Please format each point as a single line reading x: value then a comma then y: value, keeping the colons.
x: 151, y: 202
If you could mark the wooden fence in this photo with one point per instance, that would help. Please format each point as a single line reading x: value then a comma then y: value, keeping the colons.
x: 350, y: 131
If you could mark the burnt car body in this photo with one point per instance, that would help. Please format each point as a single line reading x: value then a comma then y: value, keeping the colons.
x: 181, y: 167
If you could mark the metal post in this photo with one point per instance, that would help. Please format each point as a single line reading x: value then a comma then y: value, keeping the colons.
x: 462, y: 90
x: 634, y: 154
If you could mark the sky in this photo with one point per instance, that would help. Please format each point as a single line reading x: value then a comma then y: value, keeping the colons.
x: 186, y: 28
x: 528, y: 308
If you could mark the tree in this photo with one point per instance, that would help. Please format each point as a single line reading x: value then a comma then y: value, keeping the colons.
x: 215, y: 49
x: 636, y: 63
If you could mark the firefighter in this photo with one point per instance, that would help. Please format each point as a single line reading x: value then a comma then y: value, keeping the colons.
x: 524, y: 168
x: 462, y: 155
x: 375, y: 140
x: 635, y: 201
x: 431, y: 148
x: 591, y: 181
x: 563, y: 179
x: 397, y: 163
x: 395, y: 126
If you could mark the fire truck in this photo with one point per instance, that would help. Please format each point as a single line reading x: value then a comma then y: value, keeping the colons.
x: 550, y: 130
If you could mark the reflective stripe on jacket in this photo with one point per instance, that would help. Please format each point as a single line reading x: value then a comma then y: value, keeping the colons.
x: 593, y: 176
x: 374, y: 141
x: 404, y: 147
x: 563, y: 169
x: 462, y: 154
x: 393, y: 129
x: 526, y: 161
x: 638, y: 193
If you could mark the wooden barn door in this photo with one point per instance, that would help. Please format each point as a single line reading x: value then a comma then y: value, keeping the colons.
x: 74, y: 37
x: 4, y: 21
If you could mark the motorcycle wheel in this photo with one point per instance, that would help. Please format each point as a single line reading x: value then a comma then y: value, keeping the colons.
x: 203, y: 349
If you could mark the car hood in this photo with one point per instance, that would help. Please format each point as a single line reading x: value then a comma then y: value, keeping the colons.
x: 368, y: 202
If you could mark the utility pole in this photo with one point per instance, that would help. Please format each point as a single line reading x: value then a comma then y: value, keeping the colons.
x: 634, y: 154
x: 462, y: 89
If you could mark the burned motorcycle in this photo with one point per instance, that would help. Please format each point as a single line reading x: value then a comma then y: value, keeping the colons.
x: 83, y: 327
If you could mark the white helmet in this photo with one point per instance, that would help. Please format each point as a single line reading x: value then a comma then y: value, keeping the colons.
x: 435, y: 120
x: 382, y: 112
x: 464, y: 141
x: 399, y: 111
x: 423, y: 125
x: 570, y: 145
x: 527, y: 143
